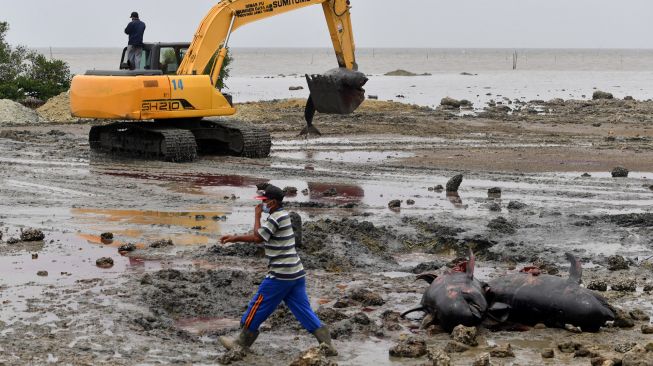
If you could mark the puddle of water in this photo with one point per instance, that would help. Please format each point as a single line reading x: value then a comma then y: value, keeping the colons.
x: 344, y: 156
x: 183, y: 228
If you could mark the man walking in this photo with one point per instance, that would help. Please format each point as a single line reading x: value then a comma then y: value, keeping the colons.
x: 135, y: 29
x: 285, y: 280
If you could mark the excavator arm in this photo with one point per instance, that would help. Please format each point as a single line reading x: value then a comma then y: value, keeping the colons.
x: 213, y: 33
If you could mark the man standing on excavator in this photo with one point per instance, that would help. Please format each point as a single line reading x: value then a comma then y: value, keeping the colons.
x: 285, y: 280
x: 135, y: 29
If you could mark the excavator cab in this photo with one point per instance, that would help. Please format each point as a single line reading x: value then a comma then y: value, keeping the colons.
x: 158, y: 56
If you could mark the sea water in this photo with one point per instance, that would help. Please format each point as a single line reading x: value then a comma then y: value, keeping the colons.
x: 479, y: 75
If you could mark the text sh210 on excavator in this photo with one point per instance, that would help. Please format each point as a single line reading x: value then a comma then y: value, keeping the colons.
x: 164, y: 115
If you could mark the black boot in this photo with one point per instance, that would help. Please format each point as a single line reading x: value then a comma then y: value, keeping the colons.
x: 244, y: 341
x: 323, y: 336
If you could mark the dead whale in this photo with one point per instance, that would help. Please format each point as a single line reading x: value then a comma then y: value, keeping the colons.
x: 529, y: 297
x: 453, y: 298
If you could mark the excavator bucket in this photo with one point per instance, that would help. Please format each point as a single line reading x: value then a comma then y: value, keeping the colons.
x: 337, y: 91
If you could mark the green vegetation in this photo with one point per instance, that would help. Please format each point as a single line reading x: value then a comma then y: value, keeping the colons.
x: 224, y: 72
x: 26, y: 73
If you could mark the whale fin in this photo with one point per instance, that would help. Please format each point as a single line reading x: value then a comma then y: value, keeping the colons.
x: 469, y: 270
x: 499, y: 311
x: 575, y: 270
x: 419, y: 308
x: 428, y: 277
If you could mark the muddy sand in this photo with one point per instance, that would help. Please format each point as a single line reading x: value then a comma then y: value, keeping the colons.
x: 536, y: 183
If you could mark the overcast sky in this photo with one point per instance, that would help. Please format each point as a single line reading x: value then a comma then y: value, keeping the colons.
x: 377, y: 23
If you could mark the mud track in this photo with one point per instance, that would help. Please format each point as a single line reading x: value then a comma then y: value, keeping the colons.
x: 165, y: 304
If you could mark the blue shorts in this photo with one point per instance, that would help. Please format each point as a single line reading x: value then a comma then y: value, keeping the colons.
x: 270, y: 294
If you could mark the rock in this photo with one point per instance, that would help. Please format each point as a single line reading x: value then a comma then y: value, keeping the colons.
x: 619, y: 172
x: 296, y: 88
x: 494, y: 192
x: 437, y: 188
x: 516, y: 205
x: 129, y: 247
x: 598, y: 285
x: 426, y: 267
x: 629, y: 97
x: 624, y: 285
x: 454, y: 183
x: 648, y: 288
x: 366, y: 297
x: 482, y: 360
x: 12, y: 241
x: 601, y: 361
x: 361, y: 318
x: 582, y: 352
x: 438, y: 357
x: 569, y: 346
x: 409, y: 348
x: 500, y: 224
x: 106, y: 236
x: 450, y: 102
x: 233, y: 355
x: 624, y: 347
x: 494, y: 207
x: 400, y: 72
x: 637, y: 359
x: 623, y: 319
x: 456, y: 347
x: 35, y: 255
x: 161, y: 243
x: 617, y: 262
x: 394, y: 204
x: 648, y: 347
x: 647, y: 329
x: 104, y: 262
x: 32, y: 235
x: 601, y: 95
x: 374, y: 97
x: 465, y: 335
x: 586, y: 175
x: 316, y: 356
x: 639, y: 314
x: 42, y: 273
x: 296, y: 222
x: 548, y: 353
x: 502, y: 351
x: 410, y: 202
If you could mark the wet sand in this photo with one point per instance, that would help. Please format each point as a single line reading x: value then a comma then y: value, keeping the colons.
x: 168, y: 304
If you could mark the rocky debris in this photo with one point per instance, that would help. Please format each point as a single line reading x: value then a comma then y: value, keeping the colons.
x: 569, y: 346
x: 35, y: 255
x: 598, y: 285
x: 465, y: 335
x: 410, y: 347
x: 31, y: 235
x: 236, y: 250
x: 410, y: 202
x: 632, y: 220
x: 161, y: 243
x: 516, y: 205
x: 619, y: 172
x: 501, y: 225
x: 494, y: 192
x: 129, y: 247
x: 42, y: 273
x: 373, y: 97
x: 14, y: 113
x: 622, y: 319
x: 637, y: 359
x: 494, y: 207
x: 624, y: 347
x: 394, y: 204
x: 57, y: 109
x: 192, y: 294
x: 400, y: 72
x: 438, y: 357
x: 452, y: 103
x: 296, y: 222
x: 617, y: 262
x: 639, y: 314
x: 502, y: 351
x: 601, y: 95
x: 0, y: 235
x: 427, y: 267
x: 106, y: 236
x: 547, y: 353
x: 437, y: 188
x: 647, y: 329
x: 12, y: 241
x: 329, y: 315
x: 390, y: 320
x: 31, y: 102
x: 586, y: 175
x: 290, y: 191
x: 299, y: 87
x: 456, y: 347
x: 366, y: 297
x: 624, y: 285
x: 104, y: 262
x: 454, y: 183
x: 482, y: 360
x: 316, y: 356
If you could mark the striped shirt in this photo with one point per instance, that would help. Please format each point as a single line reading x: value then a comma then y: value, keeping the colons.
x: 283, y: 261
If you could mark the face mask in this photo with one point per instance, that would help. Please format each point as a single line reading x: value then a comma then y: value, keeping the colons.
x: 265, y: 208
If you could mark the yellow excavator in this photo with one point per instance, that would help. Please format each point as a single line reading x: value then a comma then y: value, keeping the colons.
x: 164, y: 115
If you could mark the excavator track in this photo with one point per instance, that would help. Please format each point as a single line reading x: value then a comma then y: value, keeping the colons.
x: 181, y: 140
x: 144, y: 140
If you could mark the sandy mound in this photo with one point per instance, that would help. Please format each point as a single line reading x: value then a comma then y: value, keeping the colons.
x: 57, y: 109
x: 14, y: 113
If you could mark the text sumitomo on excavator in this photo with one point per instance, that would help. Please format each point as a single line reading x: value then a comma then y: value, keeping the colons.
x: 163, y: 108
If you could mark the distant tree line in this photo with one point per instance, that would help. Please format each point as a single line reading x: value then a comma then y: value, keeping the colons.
x: 25, y: 73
